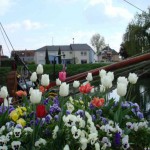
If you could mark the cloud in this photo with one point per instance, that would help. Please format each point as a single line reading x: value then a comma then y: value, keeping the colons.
x: 29, y: 25
x: 109, y: 9
x: 13, y: 27
x: 5, y: 6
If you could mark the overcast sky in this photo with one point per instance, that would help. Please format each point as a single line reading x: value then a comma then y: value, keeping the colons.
x: 31, y: 24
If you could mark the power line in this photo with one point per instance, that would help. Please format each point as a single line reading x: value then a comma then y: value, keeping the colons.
x: 134, y: 6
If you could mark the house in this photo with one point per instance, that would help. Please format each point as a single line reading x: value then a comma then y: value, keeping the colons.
x: 108, y: 54
x: 25, y: 55
x: 70, y: 54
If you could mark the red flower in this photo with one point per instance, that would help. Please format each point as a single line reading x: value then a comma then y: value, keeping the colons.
x: 42, y: 89
x: 62, y: 76
x: 98, y: 102
x: 21, y: 93
x: 41, y: 111
x: 1, y: 100
x: 85, y: 88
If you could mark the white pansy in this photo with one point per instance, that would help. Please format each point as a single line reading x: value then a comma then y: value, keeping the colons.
x: 28, y: 129
x: 15, y: 145
x: 92, y: 138
x: 4, y: 147
x: 97, y: 146
x: 70, y: 120
x: 102, y: 88
x: 122, y: 80
x: 102, y: 73
x: 58, y: 82
x: 83, y: 142
x: 132, y: 78
x: 39, y: 69
x: 45, y: 80
x: 111, y: 75
x: 55, y: 132
x: 106, y: 81
x: 33, y: 77
x: 70, y: 107
x: 66, y: 147
x: 125, y: 142
x: 129, y: 125
x: 35, y: 96
x: 76, y: 84
x: 76, y: 132
x: 64, y: 89
x: 17, y: 132
x: 3, y: 92
x: 40, y: 142
x: 121, y: 89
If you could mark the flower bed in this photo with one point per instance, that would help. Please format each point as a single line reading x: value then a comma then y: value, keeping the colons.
x: 89, y: 121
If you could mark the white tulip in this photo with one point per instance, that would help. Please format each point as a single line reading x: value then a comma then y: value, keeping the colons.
x: 102, y: 88
x: 106, y: 81
x: 102, y: 73
x: 76, y: 84
x: 132, y: 78
x: 111, y: 75
x: 58, y: 82
x: 122, y: 80
x: 39, y: 69
x: 3, y: 92
x: 35, y: 96
x: 89, y: 77
x: 7, y: 102
x: 33, y: 77
x: 31, y: 89
x: 121, y: 89
x: 64, y: 89
x: 45, y: 80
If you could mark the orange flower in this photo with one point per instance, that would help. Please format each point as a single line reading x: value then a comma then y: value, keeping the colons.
x: 42, y: 89
x: 21, y: 93
x: 85, y: 88
x: 98, y: 102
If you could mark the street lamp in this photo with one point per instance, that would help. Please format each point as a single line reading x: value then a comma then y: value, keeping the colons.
x: 54, y: 72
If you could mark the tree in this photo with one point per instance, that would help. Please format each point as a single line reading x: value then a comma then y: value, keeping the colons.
x: 136, y: 38
x: 46, y: 57
x: 98, y: 42
x: 59, y: 56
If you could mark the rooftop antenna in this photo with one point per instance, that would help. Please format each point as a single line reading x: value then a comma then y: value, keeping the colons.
x: 52, y: 40
x: 73, y: 40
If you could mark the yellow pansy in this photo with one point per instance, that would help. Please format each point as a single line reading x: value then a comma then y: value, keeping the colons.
x: 24, y: 108
x: 81, y: 102
x: 14, y: 115
x: 21, y: 121
x: 19, y: 111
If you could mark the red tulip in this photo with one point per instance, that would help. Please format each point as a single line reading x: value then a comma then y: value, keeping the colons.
x: 85, y: 88
x: 62, y: 76
x: 1, y: 100
x: 98, y: 102
x: 41, y: 111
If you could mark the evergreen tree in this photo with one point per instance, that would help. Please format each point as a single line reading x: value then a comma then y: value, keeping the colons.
x: 46, y: 57
x: 59, y: 56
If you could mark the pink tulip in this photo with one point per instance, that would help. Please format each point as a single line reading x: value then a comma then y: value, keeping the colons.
x: 62, y: 76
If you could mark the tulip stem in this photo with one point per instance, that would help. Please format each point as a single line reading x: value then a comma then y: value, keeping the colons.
x: 34, y: 116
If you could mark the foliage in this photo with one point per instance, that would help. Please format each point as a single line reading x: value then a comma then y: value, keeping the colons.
x: 46, y: 57
x: 98, y: 42
x: 137, y: 39
x: 59, y: 56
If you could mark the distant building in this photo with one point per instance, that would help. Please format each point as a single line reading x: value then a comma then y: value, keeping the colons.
x: 108, y: 54
x: 73, y: 54
x: 25, y: 55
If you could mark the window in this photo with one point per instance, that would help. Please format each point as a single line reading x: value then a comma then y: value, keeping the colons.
x: 70, y: 52
x: 81, y: 53
x: 85, y: 53
x: 83, y: 61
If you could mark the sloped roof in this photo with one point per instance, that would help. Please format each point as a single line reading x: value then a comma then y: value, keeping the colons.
x: 110, y: 49
x: 70, y: 47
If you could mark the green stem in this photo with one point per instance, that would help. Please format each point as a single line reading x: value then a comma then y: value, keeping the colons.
x: 34, y: 117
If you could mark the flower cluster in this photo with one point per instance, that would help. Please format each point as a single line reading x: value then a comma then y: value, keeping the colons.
x: 89, y: 120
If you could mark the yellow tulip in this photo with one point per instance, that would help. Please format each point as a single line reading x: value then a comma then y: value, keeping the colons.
x: 21, y: 121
